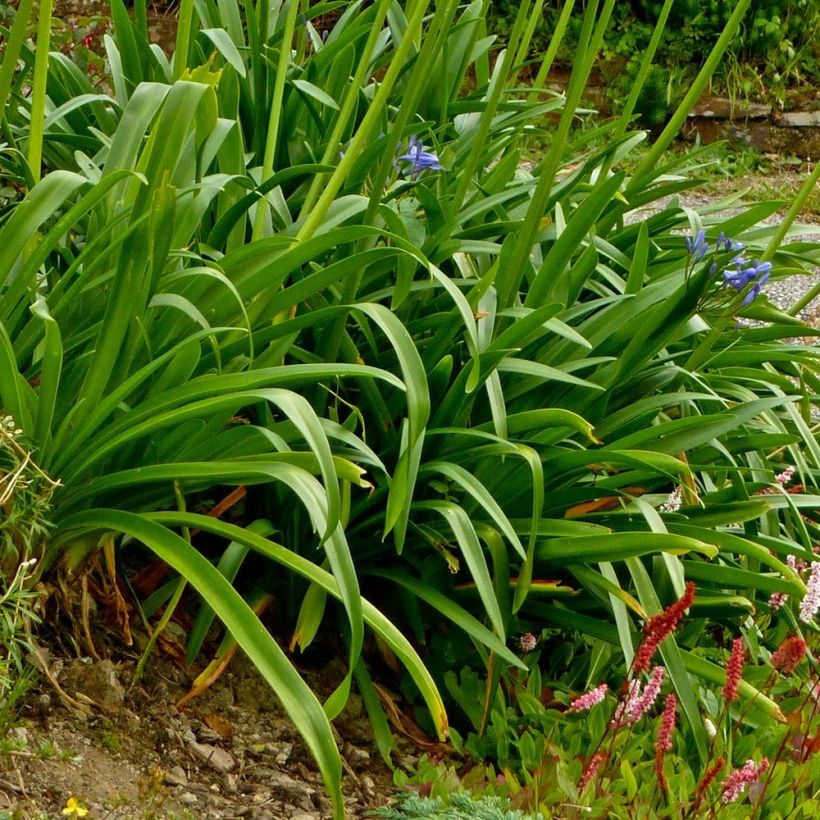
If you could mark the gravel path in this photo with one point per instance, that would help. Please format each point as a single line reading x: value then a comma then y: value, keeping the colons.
x: 783, y: 293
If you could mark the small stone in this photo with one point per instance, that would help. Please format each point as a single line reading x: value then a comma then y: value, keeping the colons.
x: 305, y: 815
x: 189, y: 798
x: 97, y: 681
x: 355, y: 755
x: 367, y: 784
x: 229, y: 783
x: 215, y: 757
x: 280, y: 780
x: 176, y: 776
x: 284, y: 753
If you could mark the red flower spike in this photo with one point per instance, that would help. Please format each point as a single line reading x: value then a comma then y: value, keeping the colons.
x: 664, y: 745
x: 659, y: 627
x: 734, y: 670
x: 787, y: 657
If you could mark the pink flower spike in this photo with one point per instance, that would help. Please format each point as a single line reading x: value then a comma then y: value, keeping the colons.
x: 786, y: 476
x: 626, y: 705
x: 591, y: 770
x: 736, y: 783
x: 811, y: 601
x: 640, y: 706
x: 667, y: 724
x: 589, y: 699
x: 777, y: 599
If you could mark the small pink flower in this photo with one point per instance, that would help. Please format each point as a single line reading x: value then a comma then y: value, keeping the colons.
x: 527, y: 642
x: 787, y: 657
x: 664, y: 744
x: 737, y: 782
x: 673, y: 501
x: 637, y: 703
x: 811, y: 601
x: 667, y: 726
x: 589, y: 699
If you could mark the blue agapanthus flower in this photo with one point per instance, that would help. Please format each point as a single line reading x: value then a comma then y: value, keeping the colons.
x: 738, y: 282
x: 419, y: 159
x: 697, y: 245
x: 755, y: 273
x: 724, y: 243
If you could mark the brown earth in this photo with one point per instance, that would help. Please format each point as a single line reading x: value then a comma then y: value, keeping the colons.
x: 233, y: 753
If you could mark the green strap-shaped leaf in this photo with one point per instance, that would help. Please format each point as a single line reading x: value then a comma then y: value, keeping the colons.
x: 471, y: 485
x: 296, y: 696
x: 392, y: 636
x: 465, y: 534
x: 453, y: 612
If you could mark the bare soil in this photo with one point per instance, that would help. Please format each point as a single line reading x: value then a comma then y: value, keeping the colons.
x: 232, y: 753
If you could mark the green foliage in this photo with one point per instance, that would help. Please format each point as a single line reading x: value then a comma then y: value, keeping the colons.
x: 453, y: 390
x: 774, y: 52
x: 544, y: 755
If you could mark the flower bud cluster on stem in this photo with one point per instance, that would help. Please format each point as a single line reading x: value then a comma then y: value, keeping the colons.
x: 660, y: 627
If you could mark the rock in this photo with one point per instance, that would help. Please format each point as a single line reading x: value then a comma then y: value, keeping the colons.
x: 324, y: 805
x: 98, y: 681
x: 189, y: 798
x: 229, y: 783
x: 721, y: 108
x: 305, y: 815
x: 280, y: 780
x: 800, y: 119
x: 215, y: 757
x: 356, y: 756
x: 368, y: 784
x: 284, y: 753
x: 176, y: 777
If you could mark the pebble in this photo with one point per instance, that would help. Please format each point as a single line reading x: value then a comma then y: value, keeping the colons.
x: 176, y: 776
x: 189, y: 798
x: 355, y: 755
x: 215, y: 757
x: 284, y: 753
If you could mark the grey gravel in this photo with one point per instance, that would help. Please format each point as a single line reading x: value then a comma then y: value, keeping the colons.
x: 782, y: 293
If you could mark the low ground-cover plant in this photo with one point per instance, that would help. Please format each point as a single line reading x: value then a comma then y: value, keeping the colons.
x: 616, y: 750
x: 308, y: 269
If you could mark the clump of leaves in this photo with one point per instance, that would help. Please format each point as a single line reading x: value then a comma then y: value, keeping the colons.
x: 457, y: 806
